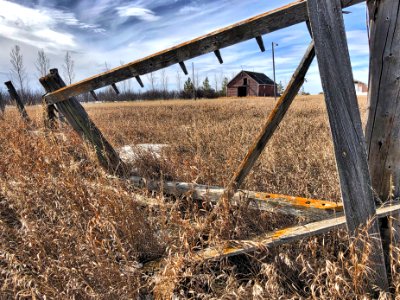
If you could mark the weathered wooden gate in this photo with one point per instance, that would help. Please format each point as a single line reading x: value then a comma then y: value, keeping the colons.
x: 329, y: 45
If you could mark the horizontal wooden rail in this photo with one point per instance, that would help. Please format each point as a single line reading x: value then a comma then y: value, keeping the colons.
x: 283, y: 17
x: 313, y: 209
x: 283, y: 236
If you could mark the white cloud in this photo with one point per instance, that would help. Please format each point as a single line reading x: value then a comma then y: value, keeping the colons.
x: 141, y: 13
x: 39, y: 27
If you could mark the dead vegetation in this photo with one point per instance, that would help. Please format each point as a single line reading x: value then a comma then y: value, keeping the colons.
x: 69, y: 231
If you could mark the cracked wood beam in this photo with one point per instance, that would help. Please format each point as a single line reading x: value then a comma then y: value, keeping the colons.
x: 279, y: 18
x: 313, y: 209
x: 283, y: 236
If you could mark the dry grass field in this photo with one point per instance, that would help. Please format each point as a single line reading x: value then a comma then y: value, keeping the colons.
x: 69, y: 231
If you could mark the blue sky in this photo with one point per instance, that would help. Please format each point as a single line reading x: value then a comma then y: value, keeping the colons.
x: 119, y: 31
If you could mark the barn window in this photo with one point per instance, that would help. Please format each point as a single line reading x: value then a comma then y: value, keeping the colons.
x: 245, y: 81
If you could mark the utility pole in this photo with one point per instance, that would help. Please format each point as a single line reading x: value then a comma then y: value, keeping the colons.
x: 273, y: 63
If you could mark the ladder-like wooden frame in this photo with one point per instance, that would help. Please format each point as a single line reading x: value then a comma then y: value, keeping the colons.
x: 329, y: 44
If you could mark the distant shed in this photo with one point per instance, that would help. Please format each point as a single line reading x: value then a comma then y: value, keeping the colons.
x: 361, y: 87
x: 248, y: 83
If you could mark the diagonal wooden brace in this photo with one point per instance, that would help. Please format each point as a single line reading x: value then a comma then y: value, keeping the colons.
x: 78, y: 118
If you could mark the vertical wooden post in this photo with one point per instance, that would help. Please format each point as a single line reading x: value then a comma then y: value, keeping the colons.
x: 14, y: 96
x: 2, y: 105
x: 50, y: 117
x: 333, y: 57
x: 383, y: 125
x: 84, y: 126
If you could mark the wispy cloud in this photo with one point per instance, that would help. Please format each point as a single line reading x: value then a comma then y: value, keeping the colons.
x: 141, y: 13
x: 40, y: 27
x: 133, y: 29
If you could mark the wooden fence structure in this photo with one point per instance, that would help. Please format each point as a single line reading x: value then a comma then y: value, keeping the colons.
x: 325, y: 21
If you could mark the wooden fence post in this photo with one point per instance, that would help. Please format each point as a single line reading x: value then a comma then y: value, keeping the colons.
x: 383, y: 125
x: 84, y: 126
x: 2, y: 105
x: 333, y: 57
x: 14, y: 96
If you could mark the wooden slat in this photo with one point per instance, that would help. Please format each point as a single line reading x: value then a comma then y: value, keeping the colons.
x: 139, y: 80
x: 2, y: 105
x: 219, y: 56
x: 260, y: 43
x: 83, y: 125
x: 383, y: 125
x: 94, y: 95
x: 273, y: 120
x: 313, y: 209
x: 18, y: 101
x: 283, y: 236
x: 183, y: 67
x: 286, y: 16
x: 115, y: 88
x: 333, y: 57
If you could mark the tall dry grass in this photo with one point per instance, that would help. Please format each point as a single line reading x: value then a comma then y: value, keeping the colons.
x: 68, y: 231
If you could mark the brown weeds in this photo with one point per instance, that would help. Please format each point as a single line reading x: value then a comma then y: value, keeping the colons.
x: 68, y: 231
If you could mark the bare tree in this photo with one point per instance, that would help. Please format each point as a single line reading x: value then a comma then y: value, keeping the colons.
x: 18, y: 69
x: 42, y: 63
x: 178, y: 80
x: 68, y: 67
x: 152, y: 79
x: 164, y: 82
x: 216, y: 81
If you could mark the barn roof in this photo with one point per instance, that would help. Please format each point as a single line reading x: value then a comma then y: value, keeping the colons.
x: 261, y: 78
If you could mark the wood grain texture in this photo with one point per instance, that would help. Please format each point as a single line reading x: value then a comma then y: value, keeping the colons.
x: 18, y: 101
x: 333, y: 57
x: 115, y: 88
x: 2, y: 105
x: 283, y: 17
x: 312, y: 209
x: 84, y: 126
x: 283, y: 236
x: 273, y: 120
x: 383, y: 125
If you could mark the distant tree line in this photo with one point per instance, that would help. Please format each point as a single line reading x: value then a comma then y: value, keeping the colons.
x: 158, y: 89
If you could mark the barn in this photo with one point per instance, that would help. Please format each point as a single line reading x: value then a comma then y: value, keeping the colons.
x: 361, y: 87
x: 248, y: 83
